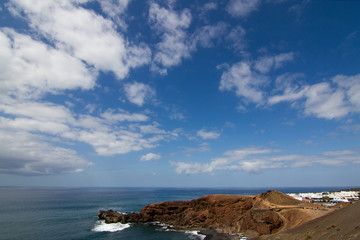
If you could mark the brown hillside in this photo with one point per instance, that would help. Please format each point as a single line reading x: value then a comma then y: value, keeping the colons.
x: 340, y: 224
x: 279, y: 198
x: 261, y: 214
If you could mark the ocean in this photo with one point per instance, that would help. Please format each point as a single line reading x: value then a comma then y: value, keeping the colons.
x: 71, y: 213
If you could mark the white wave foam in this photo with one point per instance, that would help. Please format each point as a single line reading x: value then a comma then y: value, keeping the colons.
x: 101, y: 226
x: 164, y: 227
x: 196, y: 234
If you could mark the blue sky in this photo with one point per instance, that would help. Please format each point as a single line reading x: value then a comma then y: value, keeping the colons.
x: 232, y: 93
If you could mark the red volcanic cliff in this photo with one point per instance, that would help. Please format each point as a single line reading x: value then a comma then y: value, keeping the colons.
x: 261, y: 214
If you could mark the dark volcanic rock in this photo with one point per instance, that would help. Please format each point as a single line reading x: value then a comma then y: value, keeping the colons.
x: 110, y: 216
x: 214, y: 235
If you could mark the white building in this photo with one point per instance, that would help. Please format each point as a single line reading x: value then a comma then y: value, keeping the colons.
x: 342, y: 196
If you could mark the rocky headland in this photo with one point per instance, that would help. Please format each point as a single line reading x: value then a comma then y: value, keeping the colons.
x: 263, y: 214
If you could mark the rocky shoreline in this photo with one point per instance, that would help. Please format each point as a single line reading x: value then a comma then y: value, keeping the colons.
x: 214, y: 235
x: 224, y: 216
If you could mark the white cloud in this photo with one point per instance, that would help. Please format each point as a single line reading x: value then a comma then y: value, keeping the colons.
x: 28, y: 154
x: 355, y: 128
x: 204, y: 10
x: 30, y: 68
x: 137, y: 92
x: 36, y: 110
x: 150, y: 157
x: 83, y: 34
x: 299, y: 8
x: 203, y: 147
x: 241, y: 108
x: 247, y: 78
x: 242, y: 8
x: 79, y: 44
x: 175, y: 43
x: 329, y: 99
x: 224, y: 163
x: 168, y: 20
x: 290, y: 86
x: 177, y: 115
x: 189, y: 168
x: 287, y: 96
x: 109, y: 133
x: 34, y: 125
x: 339, y: 153
x: 243, y: 81
x: 255, y: 159
x: 210, y: 6
x: 208, y: 134
x: 115, y: 141
x: 151, y: 128
x: 238, y: 154
x: 205, y: 35
x: 115, y: 9
x: 237, y: 38
x: 325, y: 102
x: 351, y: 86
x: 292, y: 81
x: 121, y: 116
x: 171, y: 26
x: 267, y: 63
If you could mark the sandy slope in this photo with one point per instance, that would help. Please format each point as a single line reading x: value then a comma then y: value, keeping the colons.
x: 340, y: 224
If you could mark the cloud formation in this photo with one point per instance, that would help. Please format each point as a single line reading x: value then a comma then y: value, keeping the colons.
x: 35, y: 124
x: 243, y: 81
x: 31, y: 68
x: 28, y: 154
x: 267, y: 63
x: 171, y: 27
x: 63, y: 50
x: 106, y: 132
x: 150, y: 157
x: 176, y: 41
x: 247, y: 78
x: 67, y: 25
x: 79, y: 43
x: 241, y: 8
x: 257, y: 159
x: 332, y: 99
x: 137, y: 92
x: 115, y: 9
x: 206, y: 135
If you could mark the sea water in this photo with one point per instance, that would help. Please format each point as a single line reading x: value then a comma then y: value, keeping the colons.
x: 71, y: 213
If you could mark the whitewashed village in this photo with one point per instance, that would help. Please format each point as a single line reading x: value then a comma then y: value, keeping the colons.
x: 327, y: 199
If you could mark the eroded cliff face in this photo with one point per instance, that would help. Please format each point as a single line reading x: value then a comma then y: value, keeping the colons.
x: 256, y: 215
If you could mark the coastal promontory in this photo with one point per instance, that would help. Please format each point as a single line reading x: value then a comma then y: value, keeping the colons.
x: 256, y: 215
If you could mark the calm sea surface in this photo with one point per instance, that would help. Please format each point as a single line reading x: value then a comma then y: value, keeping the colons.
x: 71, y: 213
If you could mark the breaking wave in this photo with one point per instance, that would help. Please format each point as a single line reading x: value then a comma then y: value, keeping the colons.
x: 101, y: 226
x: 195, y: 235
